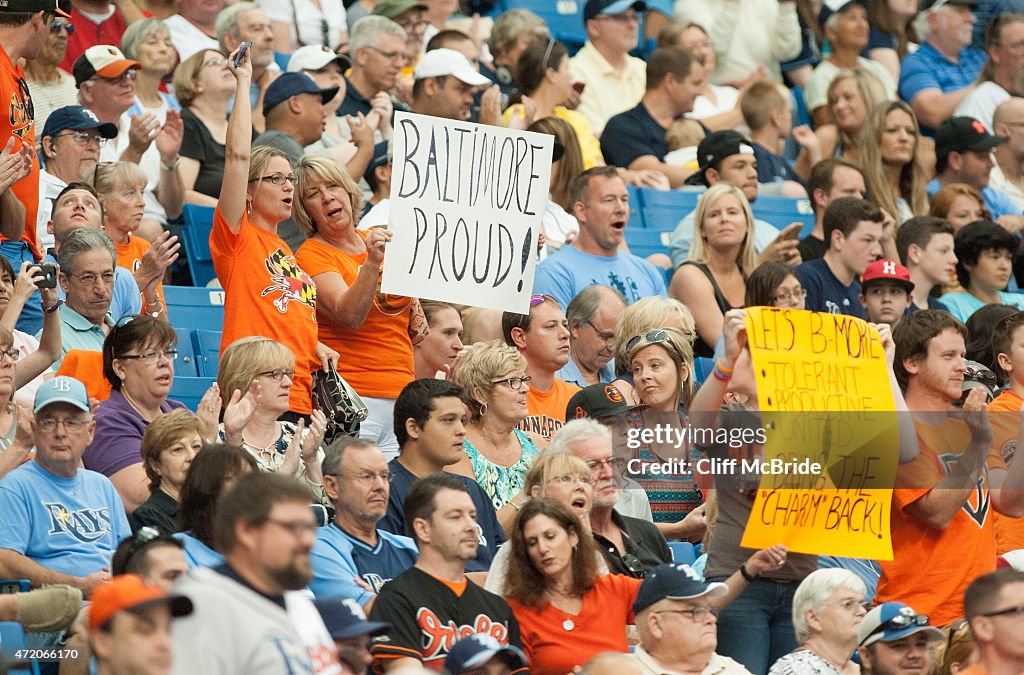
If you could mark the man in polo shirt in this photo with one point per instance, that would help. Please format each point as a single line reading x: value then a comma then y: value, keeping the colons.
x: 194, y: 27
x: 445, y: 80
x: 677, y: 626
x: 853, y: 229
x: 895, y: 639
x: 726, y: 155
x: 1005, y: 58
x: 963, y: 154
x: 942, y: 72
x: 592, y: 315
x: 87, y: 260
x: 615, y: 80
x: 377, y: 48
x: 635, y: 139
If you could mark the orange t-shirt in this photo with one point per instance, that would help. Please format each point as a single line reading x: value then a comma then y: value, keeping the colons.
x: 86, y: 366
x: 266, y: 293
x: 129, y: 256
x: 16, y: 119
x: 932, y: 568
x: 545, y: 411
x: 599, y: 627
x: 376, y: 358
x: 1004, y: 413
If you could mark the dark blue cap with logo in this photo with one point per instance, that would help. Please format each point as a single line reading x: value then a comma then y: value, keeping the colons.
x: 293, y: 84
x: 595, y: 8
x: 345, y: 619
x: 473, y: 651
x: 76, y: 118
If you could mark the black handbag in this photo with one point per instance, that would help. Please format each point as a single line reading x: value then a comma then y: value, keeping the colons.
x: 339, y: 402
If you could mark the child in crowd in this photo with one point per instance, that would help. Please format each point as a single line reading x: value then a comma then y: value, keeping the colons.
x: 885, y: 291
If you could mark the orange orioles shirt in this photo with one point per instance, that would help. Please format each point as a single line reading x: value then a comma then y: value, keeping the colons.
x: 17, y: 120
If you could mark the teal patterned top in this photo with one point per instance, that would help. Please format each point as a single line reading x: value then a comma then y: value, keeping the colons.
x: 502, y: 483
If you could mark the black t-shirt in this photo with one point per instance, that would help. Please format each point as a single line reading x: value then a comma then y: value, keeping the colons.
x: 159, y: 511
x: 811, y: 248
x: 427, y: 617
x: 631, y: 135
x: 199, y: 145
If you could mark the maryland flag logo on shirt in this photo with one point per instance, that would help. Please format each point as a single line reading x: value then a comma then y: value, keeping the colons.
x: 290, y: 281
x: 21, y: 121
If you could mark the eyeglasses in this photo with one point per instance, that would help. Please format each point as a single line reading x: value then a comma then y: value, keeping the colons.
x: 90, y: 279
x: 56, y: 27
x: 514, y: 383
x: 607, y: 337
x: 298, y: 528
x: 150, y: 357
x: 1009, y: 611
x: 71, y: 424
x: 26, y: 97
x: 12, y: 354
x: 84, y: 138
x: 280, y: 179
x: 698, y: 614
x: 389, y: 56
x: 786, y: 296
x: 367, y: 477
x: 905, y: 619
x: 651, y: 337
x: 853, y: 606
x: 126, y: 76
x: 279, y: 374
x: 615, y: 463
x: 217, y: 62
x: 955, y: 630
x: 567, y: 478
x: 985, y: 377
x: 409, y: 24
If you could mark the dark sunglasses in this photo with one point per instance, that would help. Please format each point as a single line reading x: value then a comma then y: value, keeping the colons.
x: 634, y: 566
x: 66, y: 25
x: 651, y: 337
x: 901, y: 621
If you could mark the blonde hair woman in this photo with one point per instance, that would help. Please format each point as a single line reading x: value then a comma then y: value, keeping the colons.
x: 714, y: 279
x: 851, y: 95
x: 498, y: 454
x: 642, y: 316
x: 895, y: 171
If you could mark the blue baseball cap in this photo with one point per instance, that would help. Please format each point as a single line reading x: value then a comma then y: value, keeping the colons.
x: 891, y: 621
x: 293, y: 84
x: 345, y: 619
x: 76, y: 118
x: 674, y: 582
x: 595, y: 8
x: 475, y: 650
x: 381, y: 156
x: 62, y: 389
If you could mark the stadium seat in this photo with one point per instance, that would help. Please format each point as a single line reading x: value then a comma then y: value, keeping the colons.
x: 186, y: 363
x: 282, y: 59
x: 12, y: 638
x: 563, y: 17
x: 702, y: 367
x: 207, y: 347
x: 781, y: 211
x: 663, y: 209
x: 636, y: 218
x: 644, y: 242
x: 190, y: 390
x: 682, y: 552
x: 196, y: 238
x: 191, y: 308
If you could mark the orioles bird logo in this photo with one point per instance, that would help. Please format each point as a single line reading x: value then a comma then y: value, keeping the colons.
x: 288, y: 279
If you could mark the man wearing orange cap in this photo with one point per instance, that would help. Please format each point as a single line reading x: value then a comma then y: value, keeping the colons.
x: 130, y: 626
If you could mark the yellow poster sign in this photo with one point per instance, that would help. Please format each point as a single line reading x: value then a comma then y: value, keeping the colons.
x: 832, y: 439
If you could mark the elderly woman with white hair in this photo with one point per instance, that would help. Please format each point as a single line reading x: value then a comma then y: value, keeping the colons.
x: 828, y: 608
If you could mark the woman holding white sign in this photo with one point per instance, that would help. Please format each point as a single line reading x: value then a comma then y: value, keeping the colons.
x: 370, y: 330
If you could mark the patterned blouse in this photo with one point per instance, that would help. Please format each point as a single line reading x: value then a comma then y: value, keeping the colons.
x: 502, y: 483
x: 271, y: 458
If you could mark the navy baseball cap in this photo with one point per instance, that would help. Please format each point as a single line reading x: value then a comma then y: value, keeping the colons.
x: 674, y: 582
x: 595, y: 8
x: 293, y: 84
x: 76, y: 118
x: 381, y: 156
x: 62, y: 389
x: 475, y: 650
x: 345, y: 619
x: 891, y: 621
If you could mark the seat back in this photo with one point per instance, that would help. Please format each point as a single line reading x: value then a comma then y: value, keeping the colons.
x: 190, y: 390
x: 207, y: 347
x: 195, y: 236
x: 191, y: 308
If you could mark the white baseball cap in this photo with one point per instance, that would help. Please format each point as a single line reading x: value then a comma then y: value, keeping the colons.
x: 440, y: 62
x: 316, y: 57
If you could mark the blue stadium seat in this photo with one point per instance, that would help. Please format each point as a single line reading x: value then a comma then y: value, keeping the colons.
x: 682, y: 552
x: 12, y: 638
x: 191, y: 308
x: 185, y: 364
x: 563, y: 17
x: 702, y: 367
x: 663, y: 209
x: 644, y: 242
x: 781, y: 211
x: 282, y: 59
x: 636, y: 217
x: 207, y: 346
x: 196, y: 238
x: 189, y: 390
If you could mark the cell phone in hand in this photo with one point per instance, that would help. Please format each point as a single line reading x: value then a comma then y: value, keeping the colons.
x: 792, y: 232
x: 47, y: 277
x: 242, y: 49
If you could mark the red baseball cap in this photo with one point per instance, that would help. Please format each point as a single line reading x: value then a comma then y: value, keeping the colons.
x: 130, y: 592
x: 887, y: 270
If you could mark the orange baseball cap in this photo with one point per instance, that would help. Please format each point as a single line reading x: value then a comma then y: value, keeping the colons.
x: 105, y: 61
x: 130, y: 592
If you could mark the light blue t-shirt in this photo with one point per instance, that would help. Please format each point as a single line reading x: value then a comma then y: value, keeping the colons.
x: 570, y: 373
x: 997, y: 202
x: 963, y: 304
x: 682, y: 238
x: 568, y: 271
x: 70, y: 525
x: 338, y: 558
x: 198, y: 554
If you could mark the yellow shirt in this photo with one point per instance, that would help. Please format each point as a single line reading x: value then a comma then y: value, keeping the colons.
x: 609, y: 91
x: 589, y: 145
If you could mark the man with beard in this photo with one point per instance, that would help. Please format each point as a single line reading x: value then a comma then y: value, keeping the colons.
x: 433, y: 603
x: 896, y: 640
x: 592, y: 315
x: 351, y: 556
x: 247, y: 618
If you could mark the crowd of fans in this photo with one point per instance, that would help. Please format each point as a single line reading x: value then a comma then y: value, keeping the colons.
x: 488, y: 515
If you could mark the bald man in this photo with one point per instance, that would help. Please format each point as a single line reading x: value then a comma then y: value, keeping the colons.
x: 1008, y: 173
